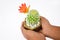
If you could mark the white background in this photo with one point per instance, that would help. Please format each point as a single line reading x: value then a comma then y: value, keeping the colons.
x: 10, y: 18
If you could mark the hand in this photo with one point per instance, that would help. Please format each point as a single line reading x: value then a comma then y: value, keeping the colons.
x: 50, y: 30
x: 45, y: 25
x: 32, y: 35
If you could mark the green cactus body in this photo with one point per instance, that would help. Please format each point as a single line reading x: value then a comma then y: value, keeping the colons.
x: 33, y: 18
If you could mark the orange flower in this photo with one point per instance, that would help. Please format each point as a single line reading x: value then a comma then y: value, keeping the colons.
x: 23, y: 8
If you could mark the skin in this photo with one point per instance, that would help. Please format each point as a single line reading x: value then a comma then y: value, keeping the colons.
x: 48, y: 30
x: 32, y: 35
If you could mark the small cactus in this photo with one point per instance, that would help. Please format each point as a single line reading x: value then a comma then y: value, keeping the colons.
x: 32, y: 18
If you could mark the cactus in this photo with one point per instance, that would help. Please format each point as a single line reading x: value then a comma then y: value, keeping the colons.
x: 32, y: 18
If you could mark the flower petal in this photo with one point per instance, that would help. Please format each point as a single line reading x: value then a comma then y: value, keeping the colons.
x: 24, y: 8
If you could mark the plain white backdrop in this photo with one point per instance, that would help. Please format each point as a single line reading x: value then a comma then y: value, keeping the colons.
x: 11, y: 19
